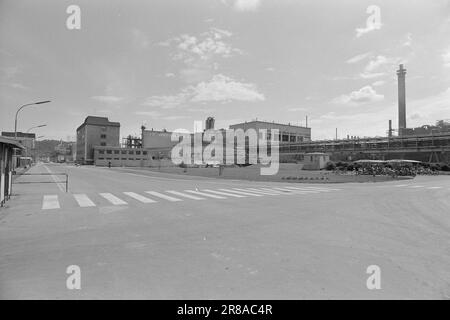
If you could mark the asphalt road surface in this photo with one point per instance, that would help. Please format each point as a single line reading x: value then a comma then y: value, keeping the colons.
x: 137, y: 234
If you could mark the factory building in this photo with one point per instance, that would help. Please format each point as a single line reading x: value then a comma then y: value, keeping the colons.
x: 287, y: 133
x: 95, y: 131
x: 22, y: 157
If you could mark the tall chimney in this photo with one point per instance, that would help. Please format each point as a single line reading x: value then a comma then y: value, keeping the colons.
x: 390, y: 129
x: 401, y: 72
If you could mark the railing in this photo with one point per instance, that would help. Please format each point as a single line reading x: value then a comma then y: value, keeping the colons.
x: 45, y: 174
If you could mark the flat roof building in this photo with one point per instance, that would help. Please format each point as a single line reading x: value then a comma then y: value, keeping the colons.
x: 95, y: 131
x: 287, y: 132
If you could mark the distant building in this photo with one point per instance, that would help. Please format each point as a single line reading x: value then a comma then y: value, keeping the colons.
x: 95, y: 131
x: 315, y: 161
x: 441, y: 126
x: 122, y: 157
x: 157, y: 139
x: 287, y: 132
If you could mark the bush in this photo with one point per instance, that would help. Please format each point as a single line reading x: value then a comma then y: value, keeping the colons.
x: 330, y: 165
x: 445, y: 167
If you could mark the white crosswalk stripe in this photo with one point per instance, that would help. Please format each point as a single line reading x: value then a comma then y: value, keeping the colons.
x: 138, y: 197
x: 265, y: 192
x: 245, y: 193
x: 50, y: 202
x: 184, y: 195
x: 312, y: 189
x: 113, y: 199
x: 163, y: 196
x: 83, y: 200
x: 224, y: 193
x: 205, y: 194
x: 296, y: 191
x: 431, y: 188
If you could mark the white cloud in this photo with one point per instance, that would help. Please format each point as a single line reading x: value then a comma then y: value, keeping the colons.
x: 362, y: 96
x: 446, y: 57
x: 170, y: 74
x: 219, y: 89
x: 246, y: 5
x: 358, y: 58
x: 107, y: 99
x: 223, y: 88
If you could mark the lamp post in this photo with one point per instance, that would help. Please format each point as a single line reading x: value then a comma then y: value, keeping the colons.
x: 40, y: 126
x: 18, y: 110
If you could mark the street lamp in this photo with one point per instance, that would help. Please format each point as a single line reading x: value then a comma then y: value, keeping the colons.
x: 40, y: 126
x: 17, y: 112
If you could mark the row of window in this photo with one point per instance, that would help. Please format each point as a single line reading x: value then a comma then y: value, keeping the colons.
x: 137, y: 152
x: 121, y: 159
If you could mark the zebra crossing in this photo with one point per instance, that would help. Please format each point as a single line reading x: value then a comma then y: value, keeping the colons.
x: 52, y: 202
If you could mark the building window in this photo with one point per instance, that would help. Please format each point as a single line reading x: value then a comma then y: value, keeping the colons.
x: 108, y: 151
x: 103, y: 128
x: 124, y: 152
x: 103, y: 144
x: 285, y: 137
x: 138, y: 152
x: 144, y: 153
x: 103, y: 136
x: 101, y: 151
x: 101, y: 158
x: 116, y: 151
x: 130, y: 159
x: 116, y: 159
x: 130, y: 152
x: 292, y: 138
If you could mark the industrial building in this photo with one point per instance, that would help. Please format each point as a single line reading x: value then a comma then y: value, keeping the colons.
x: 287, y: 133
x: 95, y: 131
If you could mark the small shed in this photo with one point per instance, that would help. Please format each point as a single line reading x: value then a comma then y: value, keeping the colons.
x: 315, y: 161
x: 7, y: 147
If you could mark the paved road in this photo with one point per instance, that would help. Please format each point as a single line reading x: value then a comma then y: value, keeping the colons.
x: 138, y: 234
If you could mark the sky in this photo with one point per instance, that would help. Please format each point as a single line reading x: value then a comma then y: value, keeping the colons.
x: 166, y: 64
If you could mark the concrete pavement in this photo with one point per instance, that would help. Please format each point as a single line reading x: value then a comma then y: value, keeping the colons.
x: 141, y: 234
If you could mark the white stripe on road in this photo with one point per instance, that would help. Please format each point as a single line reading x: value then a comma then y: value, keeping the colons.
x: 298, y: 191
x: 205, y: 194
x: 313, y: 189
x: 50, y: 202
x: 270, y: 193
x: 58, y: 183
x: 112, y: 198
x: 163, y: 196
x: 401, y: 185
x: 225, y: 193
x: 242, y: 192
x: 138, y: 197
x: 434, y: 188
x: 184, y: 195
x: 417, y: 187
x: 83, y: 200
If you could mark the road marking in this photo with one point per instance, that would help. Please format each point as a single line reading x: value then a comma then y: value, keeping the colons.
x: 58, y: 183
x: 50, y: 202
x: 416, y: 186
x: 312, y: 189
x: 163, y: 196
x: 298, y: 191
x: 205, y: 194
x: 401, y: 185
x: 139, y: 197
x: 83, y: 200
x: 434, y: 188
x: 242, y: 192
x: 257, y: 191
x: 185, y: 195
x: 112, y: 198
x: 225, y: 193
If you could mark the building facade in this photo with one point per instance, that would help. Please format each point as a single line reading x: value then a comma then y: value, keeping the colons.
x: 123, y: 157
x: 95, y: 131
x: 27, y: 140
x: 287, y: 133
